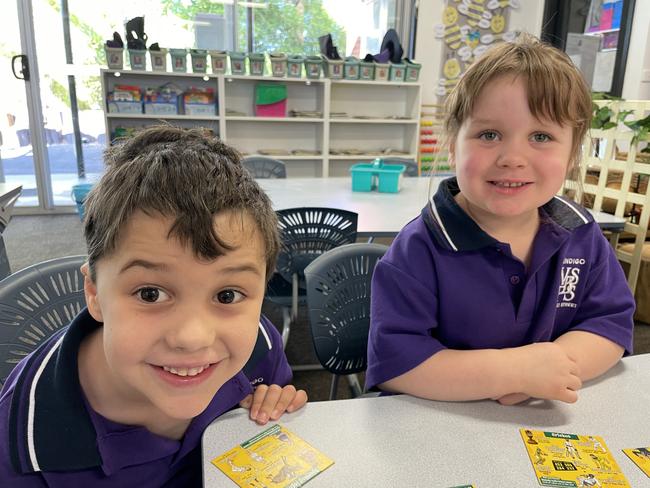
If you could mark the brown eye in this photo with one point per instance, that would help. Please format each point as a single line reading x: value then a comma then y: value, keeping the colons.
x: 150, y: 294
x: 229, y: 296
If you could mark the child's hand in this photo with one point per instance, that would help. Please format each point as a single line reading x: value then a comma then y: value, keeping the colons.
x: 512, y: 398
x: 270, y: 402
x: 548, y: 372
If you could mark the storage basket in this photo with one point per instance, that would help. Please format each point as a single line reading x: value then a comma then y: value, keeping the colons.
x: 351, y: 68
x: 397, y: 71
x: 412, y: 70
x: 294, y: 66
x: 179, y: 60
x: 256, y: 64
x: 382, y: 70
x: 158, y: 59
x: 114, y: 57
x: 278, y: 64
x: 237, y: 62
x: 385, y: 177
x: 333, y: 68
x: 366, y: 70
x: 313, y: 66
x: 138, y: 59
x: 199, y: 60
x: 219, y: 60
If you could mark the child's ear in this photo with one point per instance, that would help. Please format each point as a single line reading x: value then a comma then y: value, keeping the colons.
x: 90, y: 292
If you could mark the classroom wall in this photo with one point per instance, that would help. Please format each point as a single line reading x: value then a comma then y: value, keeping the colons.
x: 529, y: 18
x: 428, y: 49
x: 636, y: 85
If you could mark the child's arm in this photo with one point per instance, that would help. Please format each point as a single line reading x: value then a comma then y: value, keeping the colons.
x: 270, y: 402
x: 594, y: 354
x: 542, y: 370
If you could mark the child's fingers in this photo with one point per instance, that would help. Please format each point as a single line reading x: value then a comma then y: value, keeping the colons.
x: 266, y: 403
x: 286, y: 396
x: 298, y: 401
x: 246, y: 402
x: 258, y: 398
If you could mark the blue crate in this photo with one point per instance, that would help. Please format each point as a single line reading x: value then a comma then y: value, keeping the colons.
x: 79, y: 194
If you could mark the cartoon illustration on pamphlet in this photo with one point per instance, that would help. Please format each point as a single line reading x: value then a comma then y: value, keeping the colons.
x: 571, y: 460
x: 641, y: 457
x: 275, y: 458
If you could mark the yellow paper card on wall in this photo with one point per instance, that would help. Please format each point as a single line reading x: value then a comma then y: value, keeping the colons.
x: 275, y: 457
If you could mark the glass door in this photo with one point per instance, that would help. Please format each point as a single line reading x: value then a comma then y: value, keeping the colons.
x: 21, y: 136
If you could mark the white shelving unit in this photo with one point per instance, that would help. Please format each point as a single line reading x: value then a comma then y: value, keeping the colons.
x: 357, y: 120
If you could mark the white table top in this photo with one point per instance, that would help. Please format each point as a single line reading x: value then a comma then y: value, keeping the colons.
x: 380, y: 214
x: 406, y: 441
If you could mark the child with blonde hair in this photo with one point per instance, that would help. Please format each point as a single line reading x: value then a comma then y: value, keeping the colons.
x: 500, y: 288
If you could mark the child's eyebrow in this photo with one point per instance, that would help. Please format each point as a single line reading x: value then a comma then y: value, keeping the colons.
x: 242, y: 268
x: 143, y: 263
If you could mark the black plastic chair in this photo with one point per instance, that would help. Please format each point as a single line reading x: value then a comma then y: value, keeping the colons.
x: 411, y: 164
x: 338, y: 296
x: 35, y: 302
x: 306, y: 233
x: 263, y: 167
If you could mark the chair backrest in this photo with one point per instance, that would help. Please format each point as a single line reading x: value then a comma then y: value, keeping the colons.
x: 338, y: 297
x: 263, y: 167
x: 34, y: 303
x: 411, y: 165
x: 308, y: 232
x: 614, y: 172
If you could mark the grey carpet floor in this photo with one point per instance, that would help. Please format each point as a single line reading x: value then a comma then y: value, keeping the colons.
x: 32, y: 239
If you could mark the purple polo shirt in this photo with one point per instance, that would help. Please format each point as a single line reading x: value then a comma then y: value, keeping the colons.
x: 50, y: 436
x: 445, y: 283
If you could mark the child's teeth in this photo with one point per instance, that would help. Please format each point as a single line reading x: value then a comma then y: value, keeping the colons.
x: 185, y: 371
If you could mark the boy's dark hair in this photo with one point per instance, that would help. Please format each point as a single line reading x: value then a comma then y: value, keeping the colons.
x: 185, y: 174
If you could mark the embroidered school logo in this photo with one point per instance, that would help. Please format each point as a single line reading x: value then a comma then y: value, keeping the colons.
x: 570, y: 275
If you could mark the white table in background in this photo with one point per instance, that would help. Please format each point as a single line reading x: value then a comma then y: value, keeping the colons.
x: 406, y: 441
x: 380, y: 214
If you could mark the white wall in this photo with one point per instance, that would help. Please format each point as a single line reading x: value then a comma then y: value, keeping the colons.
x: 428, y: 49
x: 637, y: 72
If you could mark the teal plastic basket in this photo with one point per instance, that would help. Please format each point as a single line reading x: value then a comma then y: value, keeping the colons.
x: 385, y: 177
x: 79, y: 194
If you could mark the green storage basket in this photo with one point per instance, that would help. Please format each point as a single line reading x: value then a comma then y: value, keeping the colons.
x: 412, y: 70
x: 294, y: 66
x: 256, y: 64
x: 367, y: 70
x: 385, y: 177
x: 397, y: 71
x: 351, y: 70
x: 313, y: 66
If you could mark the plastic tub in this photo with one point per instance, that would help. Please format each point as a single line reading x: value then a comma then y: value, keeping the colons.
x: 179, y: 60
x: 313, y: 66
x: 138, y: 59
x: 256, y: 64
x: 382, y: 70
x: 79, y: 194
x: 333, y: 68
x: 237, y: 62
x: 278, y: 64
x: 351, y: 68
x: 199, y: 60
x: 158, y: 59
x: 412, y: 70
x: 366, y: 70
x: 387, y: 176
x: 294, y: 66
x: 219, y: 60
x: 114, y: 57
x: 397, y: 71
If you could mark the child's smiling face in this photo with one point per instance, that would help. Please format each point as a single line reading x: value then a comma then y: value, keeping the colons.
x: 175, y: 327
x: 508, y: 162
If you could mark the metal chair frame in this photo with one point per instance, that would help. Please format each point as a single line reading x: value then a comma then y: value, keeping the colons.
x: 263, y: 167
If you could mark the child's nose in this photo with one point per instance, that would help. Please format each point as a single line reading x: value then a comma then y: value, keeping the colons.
x: 513, y: 155
x: 193, y: 332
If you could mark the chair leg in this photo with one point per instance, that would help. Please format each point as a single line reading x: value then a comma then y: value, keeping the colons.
x: 294, y: 296
x: 286, y: 326
x: 334, y: 386
x: 355, y: 386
